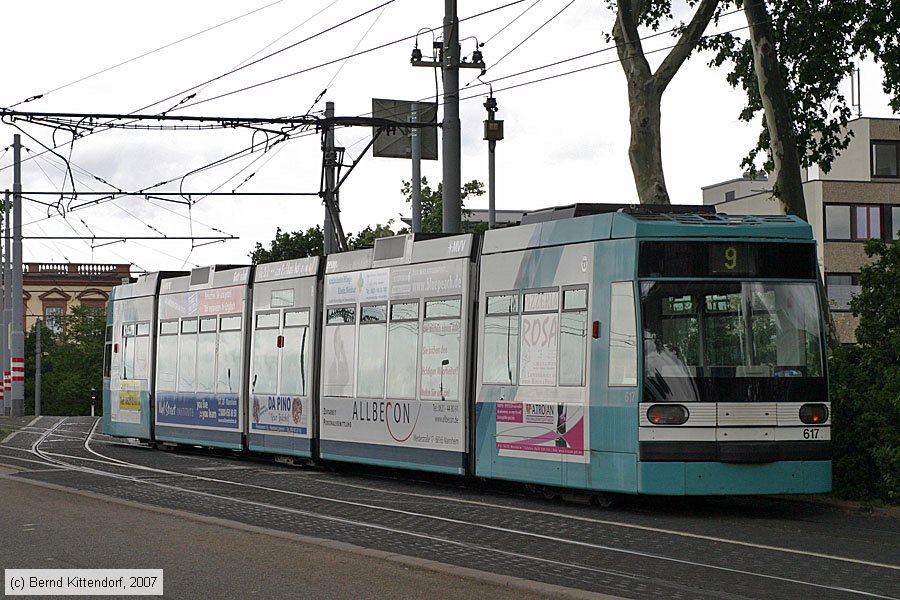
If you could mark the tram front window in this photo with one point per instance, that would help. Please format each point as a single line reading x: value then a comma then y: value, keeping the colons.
x: 731, y: 341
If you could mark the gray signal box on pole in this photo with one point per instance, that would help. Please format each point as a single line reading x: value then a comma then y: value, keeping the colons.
x: 398, y: 144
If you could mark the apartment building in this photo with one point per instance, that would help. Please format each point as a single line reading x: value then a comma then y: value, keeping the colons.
x: 857, y: 200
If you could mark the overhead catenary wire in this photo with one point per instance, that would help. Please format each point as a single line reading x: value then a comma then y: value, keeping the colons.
x: 145, y: 54
x: 530, y: 35
x: 337, y: 60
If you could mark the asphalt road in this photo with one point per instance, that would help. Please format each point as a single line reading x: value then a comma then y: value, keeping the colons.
x: 731, y: 548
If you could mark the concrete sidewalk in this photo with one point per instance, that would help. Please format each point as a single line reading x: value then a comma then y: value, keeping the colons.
x: 43, y: 527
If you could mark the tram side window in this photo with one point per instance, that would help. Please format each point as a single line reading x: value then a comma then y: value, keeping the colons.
x: 167, y: 356
x: 187, y: 356
x: 295, y: 353
x: 142, y: 351
x: 228, y: 368
x: 403, y: 350
x: 206, y: 355
x: 573, y: 337
x: 107, y: 351
x: 540, y: 338
x: 136, y: 350
x: 338, y: 350
x: 622, y: 335
x: 264, y: 378
x: 129, y: 331
x: 501, y: 339
x: 440, y: 349
x: 372, y: 339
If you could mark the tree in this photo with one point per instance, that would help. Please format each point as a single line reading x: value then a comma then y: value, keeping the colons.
x: 286, y: 246
x: 791, y: 69
x: 71, y: 365
x: 866, y: 385
x: 432, y: 202
x: 645, y: 88
x: 367, y: 236
x: 298, y: 244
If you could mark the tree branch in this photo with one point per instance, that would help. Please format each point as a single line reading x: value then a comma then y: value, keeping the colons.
x: 686, y: 44
x: 628, y: 42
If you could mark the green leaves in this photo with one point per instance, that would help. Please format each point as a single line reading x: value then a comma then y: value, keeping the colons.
x: 817, y: 42
x: 71, y: 365
x: 865, y: 385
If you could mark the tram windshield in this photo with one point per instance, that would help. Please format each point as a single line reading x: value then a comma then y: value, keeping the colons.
x: 731, y: 341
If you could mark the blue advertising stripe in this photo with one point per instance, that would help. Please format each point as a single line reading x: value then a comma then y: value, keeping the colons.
x: 205, y: 410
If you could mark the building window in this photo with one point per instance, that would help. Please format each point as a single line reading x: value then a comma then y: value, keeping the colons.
x: 837, y: 222
x: 867, y: 222
x: 895, y: 222
x: 886, y: 159
x: 856, y: 222
x: 53, y: 317
x: 841, y: 287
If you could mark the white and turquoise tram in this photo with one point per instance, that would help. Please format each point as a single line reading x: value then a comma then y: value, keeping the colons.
x: 629, y: 351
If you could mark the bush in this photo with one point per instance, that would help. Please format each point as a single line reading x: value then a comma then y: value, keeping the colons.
x: 865, y: 386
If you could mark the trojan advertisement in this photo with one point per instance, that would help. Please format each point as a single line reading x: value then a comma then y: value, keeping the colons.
x: 542, y: 430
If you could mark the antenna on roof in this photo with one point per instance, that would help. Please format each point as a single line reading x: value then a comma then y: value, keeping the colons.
x: 856, y: 90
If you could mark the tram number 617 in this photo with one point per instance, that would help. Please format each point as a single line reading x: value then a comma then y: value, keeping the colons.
x: 810, y: 434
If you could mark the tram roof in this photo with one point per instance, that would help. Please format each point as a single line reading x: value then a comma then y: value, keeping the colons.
x: 145, y: 285
x: 643, y: 224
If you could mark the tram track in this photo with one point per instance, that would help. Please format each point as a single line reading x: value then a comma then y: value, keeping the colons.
x: 464, y: 532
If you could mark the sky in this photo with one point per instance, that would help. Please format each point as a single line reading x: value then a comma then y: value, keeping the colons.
x: 566, y: 138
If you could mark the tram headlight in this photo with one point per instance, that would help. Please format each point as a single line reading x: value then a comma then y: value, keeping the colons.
x: 813, y: 414
x: 667, y: 414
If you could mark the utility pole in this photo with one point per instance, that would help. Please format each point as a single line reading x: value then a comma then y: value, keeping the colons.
x: 493, y: 132
x: 450, y: 64
x: 4, y: 346
x: 7, y: 306
x: 37, y: 369
x: 452, y: 210
x: 335, y: 240
x: 416, y: 156
x: 329, y: 165
x: 17, y: 339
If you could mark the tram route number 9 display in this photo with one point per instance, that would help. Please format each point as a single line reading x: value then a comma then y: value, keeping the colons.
x: 730, y: 259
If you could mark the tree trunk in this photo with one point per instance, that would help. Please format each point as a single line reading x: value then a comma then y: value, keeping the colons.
x: 645, y: 147
x: 788, y: 186
x: 645, y: 90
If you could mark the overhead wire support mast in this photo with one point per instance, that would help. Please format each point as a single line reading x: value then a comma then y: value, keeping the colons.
x: 450, y: 64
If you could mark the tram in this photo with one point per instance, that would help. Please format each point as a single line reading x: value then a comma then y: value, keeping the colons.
x: 626, y: 350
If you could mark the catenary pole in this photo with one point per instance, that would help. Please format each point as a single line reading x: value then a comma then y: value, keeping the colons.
x: 37, y: 369
x: 450, y: 140
x: 328, y: 229
x: 7, y: 305
x: 416, y: 155
x: 17, y: 339
x: 4, y: 328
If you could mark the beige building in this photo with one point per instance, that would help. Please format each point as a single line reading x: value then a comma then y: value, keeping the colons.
x: 52, y: 290
x: 857, y: 200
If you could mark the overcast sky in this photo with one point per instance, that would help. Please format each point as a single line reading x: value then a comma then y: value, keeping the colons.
x: 566, y: 137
